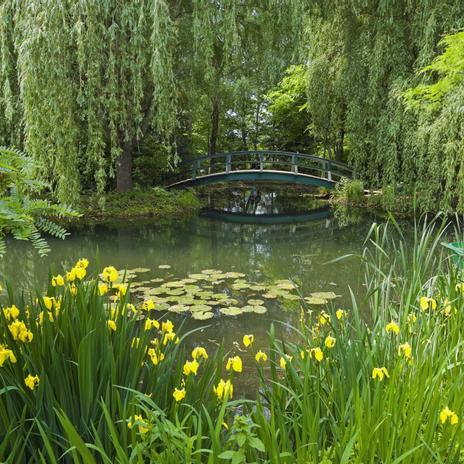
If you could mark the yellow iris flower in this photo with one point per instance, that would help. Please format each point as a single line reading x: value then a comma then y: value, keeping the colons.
x: 111, y: 325
x: 330, y: 341
x: 248, y: 340
x: 224, y: 389
x: 393, y: 327
x: 199, y: 352
x: 446, y: 414
x: 317, y: 353
x: 57, y: 281
x: 32, y: 381
x: 261, y: 356
x: 190, y: 367
x: 6, y: 353
x: 140, y: 421
x: 110, y: 274
x: 11, y: 312
x: 179, y: 395
x: 380, y: 373
x: 235, y: 364
x: 427, y: 303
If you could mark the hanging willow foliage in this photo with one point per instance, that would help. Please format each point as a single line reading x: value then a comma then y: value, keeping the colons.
x: 85, y: 79
x: 363, y: 55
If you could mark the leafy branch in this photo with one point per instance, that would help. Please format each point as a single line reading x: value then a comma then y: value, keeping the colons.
x: 25, y: 213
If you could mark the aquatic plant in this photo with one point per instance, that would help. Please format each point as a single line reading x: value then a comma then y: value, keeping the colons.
x: 339, y: 388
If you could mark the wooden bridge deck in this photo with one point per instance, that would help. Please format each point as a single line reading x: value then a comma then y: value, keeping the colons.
x: 260, y: 166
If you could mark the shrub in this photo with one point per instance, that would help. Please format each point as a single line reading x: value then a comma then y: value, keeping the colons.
x: 349, y: 191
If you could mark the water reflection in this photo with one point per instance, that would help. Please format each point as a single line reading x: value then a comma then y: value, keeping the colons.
x: 274, y: 248
x: 264, y: 251
x: 262, y: 200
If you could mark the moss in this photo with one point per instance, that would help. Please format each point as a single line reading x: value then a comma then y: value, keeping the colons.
x: 156, y: 202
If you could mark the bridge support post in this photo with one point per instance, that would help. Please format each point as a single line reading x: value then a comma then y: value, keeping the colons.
x: 228, y: 163
x: 261, y: 161
x: 194, y: 169
x: 329, y: 170
x: 294, y: 165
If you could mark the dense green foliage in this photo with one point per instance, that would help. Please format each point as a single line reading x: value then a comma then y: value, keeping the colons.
x: 86, y: 86
x: 108, y: 94
x: 24, y: 214
x: 362, y: 57
x: 98, y: 367
x: 138, y: 204
x: 289, y: 117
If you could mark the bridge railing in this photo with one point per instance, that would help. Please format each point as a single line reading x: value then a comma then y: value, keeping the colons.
x: 301, y: 163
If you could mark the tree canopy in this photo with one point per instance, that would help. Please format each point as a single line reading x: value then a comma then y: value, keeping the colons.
x: 101, y: 91
x: 362, y: 57
x: 85, y: 84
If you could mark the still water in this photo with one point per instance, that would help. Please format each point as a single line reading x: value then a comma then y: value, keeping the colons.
x: 256, y: 234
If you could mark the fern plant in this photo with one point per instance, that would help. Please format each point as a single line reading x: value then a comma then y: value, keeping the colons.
x: 24, y: 213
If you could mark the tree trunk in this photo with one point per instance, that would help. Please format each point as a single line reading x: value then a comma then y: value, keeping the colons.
x: 124, y: 169
x: 258, y: 108
x: 339, y: 146
x: 212, y: 145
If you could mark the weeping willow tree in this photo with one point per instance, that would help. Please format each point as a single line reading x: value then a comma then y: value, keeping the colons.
x: 82, y: 82
x: 362, y: 56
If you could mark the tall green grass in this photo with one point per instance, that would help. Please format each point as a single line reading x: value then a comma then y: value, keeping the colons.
x: 93, y: 381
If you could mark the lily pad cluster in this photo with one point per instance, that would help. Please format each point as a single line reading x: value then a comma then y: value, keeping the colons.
x: 214, y: 292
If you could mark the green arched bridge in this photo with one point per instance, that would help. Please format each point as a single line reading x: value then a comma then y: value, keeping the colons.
x: 259, y: 166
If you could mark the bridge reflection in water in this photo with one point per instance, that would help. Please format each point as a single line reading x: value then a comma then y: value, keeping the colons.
x: 252, y: 206
x: 323, y: 212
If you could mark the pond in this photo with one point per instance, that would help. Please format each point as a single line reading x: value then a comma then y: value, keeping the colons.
x: 254, y: 236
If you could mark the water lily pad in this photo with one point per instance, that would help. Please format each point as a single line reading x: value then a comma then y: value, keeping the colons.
x: 179, y: 308
x: 174, y: 284
x: 312, y: 300
x: 164, y: 266
x: 157, y: 280
x: 240, y: 286
x: 258, y: 288
x: 186, y: 300
x: 175, y: 292
x: 211, y: 271
x: 162, y: 307
x: 258, y: 309
x: 269, y: 295
x: 253, y: 302
x: 280, y: 293
x: 142, y: 289
x: 199, y: 316
x: 231, y: 311
x: 140, y: 269
x: 248, y: 308
x: 233, y: 275
x: 291, y: 297
x: 197, y: 276
x: 229, y: 302
x: 138, y: 289
x: 287, y: 286
x: 204, y: 295
x: 200, y: 308
x: 157, y: 290
x: 324, y: 295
